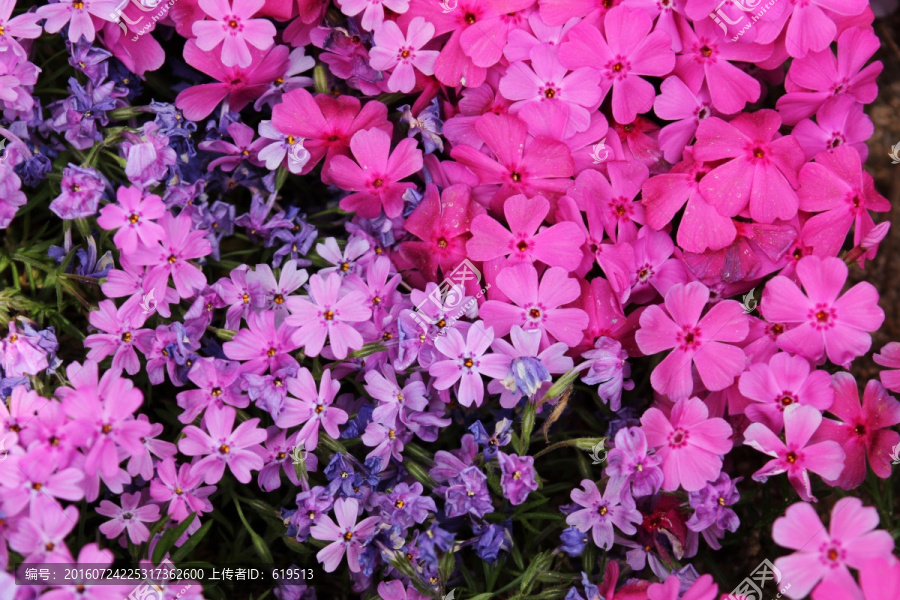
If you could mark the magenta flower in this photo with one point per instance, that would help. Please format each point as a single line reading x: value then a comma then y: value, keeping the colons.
x: 701, y: 341
x: 763, y: 166
x: 795, y: 456
x: 312, y: 409
x: 823, y: 556
x: 863, y: 431
x: 77, y: 14
x: 839, y: 122
x: 784, y: 381
x: 601, y: 511
x: 375, y: 179
x: 328, y: 313
x: 611, y: 203
x: 130, y: 516
x: 347, y: 536
x: 689, y: 443
x: 233, y: 27
x: 842, y: 193
x: 134, y: 219
x: 180, y: 487
x: 823, y: 322
x: 466, y: 361
x: 557, y: 245
x: 679, y: 103
x: 402, y: 53
x: 244, y: 148
x: 180, y: 244
x: 890, y: 357
x: 879, y: 579
x: 537, y: 306
x: 119, y: 328
x: 625, y: 52
x: 262, y: 345
x: 546, y: 81
x: 237, y: 448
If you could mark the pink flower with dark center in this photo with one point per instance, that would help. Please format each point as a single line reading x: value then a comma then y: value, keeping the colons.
x: 118, y: 328
x: 262, y: 344
x: 224, y: 445
x: 347, y: 536
x: 376, y: 174
x: 180, y: 486
x: 78, y: 15
x: 689, y: 443
x: 233, y: 27
x: 824, y: 555
x: 864, y: 430
x: 556, y: 245
x: 701, y: 341
x: 129, y: 516
x: 312, y: 409
x: 171, y: 257
x: 824, y: 323
x: 403, y: 54
x: 466, y: 361
x: 134, y: 219
x: 796, y: 455
x: 373, y: 11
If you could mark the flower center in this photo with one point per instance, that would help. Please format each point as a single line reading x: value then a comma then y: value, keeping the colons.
x: 706, y: 51
x: 721, y: 501
x: 271, y: 352
x: 603, y: 510
x: 106, y: 428
x: 319, y: 409
x: 78, y: 5
x: 54, y: 441
x: 468, y: 363
x: 172, y: 259
x: 216, y: 392
x: 224, y: 449
x: 280, y: 455
x: 549, y: 93
x: 534, y: 313
x: 233, y: 24
x: 470, y: 18
x: 133, y: 218
x: 442, y: 243
x: 791, y: 457
x: 348, y: 536
x: 860, y: 429
x: 515, y: 176
x: 404, y: 54
x: 678, y: 438
x: 126, y: 337
x: 522, y: 246
x: 328, y: 315
x: 378, y: 183
x: 399, y: 504
x: 246, y: 298
x: 279, y: 299
x: 37, y: 486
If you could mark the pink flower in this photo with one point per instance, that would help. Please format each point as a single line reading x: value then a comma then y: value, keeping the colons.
x: 703, y: 588
x: 626, y: 51
x: 842, y: 193
x: 313, y: 409
x: 78, y: 14
x: 375, y: 178
x: 119, y: 328
x: 812, y: 29
x: 600, y: 512
x: 233, y: 27
x: 34, y: 482
x: 696, y: 340
x: 879, y: 579
x: 689, y: 443
x: 466, y: 361
x: 171, y: 257
x: 42, y: 537
x: 763, y: 166
x: 537, y: 306
x: 795, y: 456
x: 345, y: 536
x: 262, y: 344
x: 823, y: 323
x: 556, y: 245
x: 134, y: 218
x: 403, y: 54
x: 215, y: 379
x: 130, y: 516
x: 679, y: 103
x: 328, y: 313
x: 237, y: 448
x: 839, y: 122
x: 823, y: 556
x: 612, y: 202
x: 240, y: 85
x: 180, y: 487
x: 547, y: 84
x: 784, y: 381
x: 373, y: 11
x: 863, y: 430
x: 890, y: 357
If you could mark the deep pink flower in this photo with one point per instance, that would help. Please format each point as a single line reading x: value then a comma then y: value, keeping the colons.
x: 233, y: 27
x: 823, y: 556
x: 784, y: 381
x: 625, y: 52
x: 863, y: 431
x: 224, y: 445
x: 403, y: 54
x: 466, y: 361
x: 215, y: 379
x: 890, y: 357
x: 879, y: 579
x: 823, y: 322
x: 119, y: 328
x: 180, y: 244
x: 537, y: 306
x: 796, y: 455
x: 134, y: 219
x: 345, y: 536
x: 129, y: 516
x: 689, y: 443
x: 312, y: 408
x: 701, y: 341
x: 812, y: 28
x: 556, y: 245
x: 842, y: 193
x: 763, y: 166
x: 376, y: 177
x: 612, y: 202
x: 373, y: 11
x: 840, y: 121
x: 262, y: 344
x: 686, y: 107
x: 703, y: 588
x: 328, y: 313
x: 34, y: 482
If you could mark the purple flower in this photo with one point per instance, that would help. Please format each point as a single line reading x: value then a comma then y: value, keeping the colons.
x: 81, y: 191
x: 239, y: 448
x: 629, y: 466
x: 11, y: 196
x: 313, y: 408
x: 387, y: 440
x: 468, y: 493
x: 236, y: 153
x: 270, y: 391
x: 492, y: 539
x: 608, y: 367
x: 130, y: 516
x: 278, y: 456
x: 311, y: 506
x: 21, y: 354
x: 404, y: 505
x: 573, y: 541
x: 447, y: 465
x: 344, y: 262
x: 467, y: 362
x: 276, y: 292
x: 492, y: 443
x: 147, y: 156
x: 529, y: 368
x: 601, y: 512
x: 394, y: 400
x: 712, y: 517
x: 241, y: 293
x: 518, y: 477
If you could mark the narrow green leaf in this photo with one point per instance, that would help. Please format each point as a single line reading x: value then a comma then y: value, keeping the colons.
x: 169, y: 538
x: 258, y: 543
x: 185, y: 550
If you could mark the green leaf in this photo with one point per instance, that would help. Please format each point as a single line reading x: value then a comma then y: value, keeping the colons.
x: 527, y: 427
x: 170, y: 537
x: 188, y: 547
x: 419, y: 473
x: 258, y: 543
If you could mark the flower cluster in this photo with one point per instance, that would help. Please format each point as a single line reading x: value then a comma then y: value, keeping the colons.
x: 382, y: 270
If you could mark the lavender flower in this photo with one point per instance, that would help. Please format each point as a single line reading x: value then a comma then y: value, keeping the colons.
x: 608, y: 367
x: 630, y: 468
x: 518, y: 476
x: 81, y: 191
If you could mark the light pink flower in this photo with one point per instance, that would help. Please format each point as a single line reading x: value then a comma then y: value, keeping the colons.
x: 372, y: 10
x: 133, y: 218
x: 312, y: 408
x: 466, y: 361
x: 402, y: 53
x: 78, y: 14
x: 233, y: 27
x: 224, y: 445
x: 130, y: 516
x: 347, y: 536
